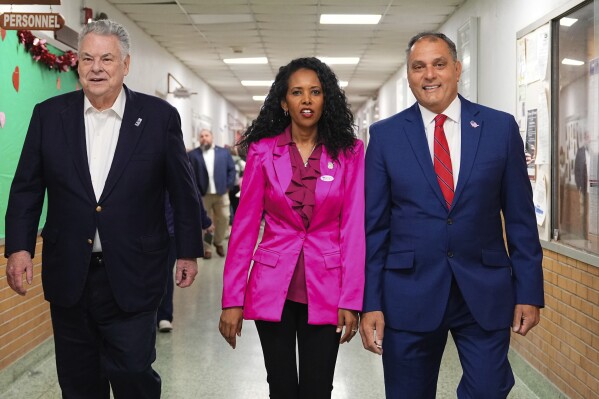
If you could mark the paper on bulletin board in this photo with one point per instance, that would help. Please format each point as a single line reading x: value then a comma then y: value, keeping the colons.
x: 543, y: 51
x: 521, y: 61
x: 539, y: 199
x: 533, y: 71
x: 543, y: 137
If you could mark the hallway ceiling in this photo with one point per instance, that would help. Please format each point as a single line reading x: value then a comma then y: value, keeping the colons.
x: 201, y: 33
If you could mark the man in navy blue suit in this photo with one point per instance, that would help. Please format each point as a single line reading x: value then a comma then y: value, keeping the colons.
x: 215, y: 175
x: 105, y: 157
x: 436, y: 190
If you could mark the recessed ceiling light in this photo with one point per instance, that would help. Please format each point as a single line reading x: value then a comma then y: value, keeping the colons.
x: 255, y: 60
x: 261, y: 83
x: 258, y: 98
x: 350, y: 19
x: 343, y: 83
x: 567, y: 21
x: 569, y: 61
x: 340, y: 60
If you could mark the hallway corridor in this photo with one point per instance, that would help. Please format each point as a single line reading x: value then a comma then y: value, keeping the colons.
x: 195, y: 362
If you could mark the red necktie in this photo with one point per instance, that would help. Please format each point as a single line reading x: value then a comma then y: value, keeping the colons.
x: 443, y: 160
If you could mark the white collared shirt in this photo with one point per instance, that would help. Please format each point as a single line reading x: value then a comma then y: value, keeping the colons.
x: 101, y: 136
x: 452, y: 128
x: 209, y: 161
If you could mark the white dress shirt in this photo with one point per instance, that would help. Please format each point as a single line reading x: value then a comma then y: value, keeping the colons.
x: 209, y: 161
x: 101, y: 136
x: 453, y: 133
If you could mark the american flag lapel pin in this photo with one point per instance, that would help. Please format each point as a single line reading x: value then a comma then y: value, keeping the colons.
x: 473, y: 124
x: 138, y: 122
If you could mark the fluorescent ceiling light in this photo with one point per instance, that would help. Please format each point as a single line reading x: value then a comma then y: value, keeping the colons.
x: 569, y: 61
x: 256, y: 60
x: 350, y: 19
x: 340, y: 60
x: 202, y: 19
x: 343, y: 83
x: 567, y: 21
x: 261, y: 83
x: 258, y: 98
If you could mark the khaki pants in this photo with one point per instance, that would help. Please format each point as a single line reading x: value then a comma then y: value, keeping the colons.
x: 218, y: 210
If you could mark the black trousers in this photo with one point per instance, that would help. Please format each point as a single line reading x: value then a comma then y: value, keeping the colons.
x: 317, y: 348
x: 98, y: 346
x: 165, y: 309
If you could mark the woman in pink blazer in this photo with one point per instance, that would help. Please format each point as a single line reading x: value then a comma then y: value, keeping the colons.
x: 305, y: 178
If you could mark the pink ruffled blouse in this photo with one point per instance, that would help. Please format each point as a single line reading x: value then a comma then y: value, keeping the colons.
x: 301, y: 193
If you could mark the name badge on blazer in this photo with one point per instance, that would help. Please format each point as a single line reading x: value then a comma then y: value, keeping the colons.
x: 327, y: 178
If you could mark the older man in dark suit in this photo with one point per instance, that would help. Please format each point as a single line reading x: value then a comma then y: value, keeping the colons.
x: 105, y: 157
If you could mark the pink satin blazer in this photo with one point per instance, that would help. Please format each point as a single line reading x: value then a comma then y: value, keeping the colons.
x: 334, y: 243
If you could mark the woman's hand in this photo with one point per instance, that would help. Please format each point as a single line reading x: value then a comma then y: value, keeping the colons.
x: 231, y: 321
x: 349, y: 320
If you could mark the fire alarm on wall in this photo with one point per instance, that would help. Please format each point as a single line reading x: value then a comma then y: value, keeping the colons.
x: 87, y: 15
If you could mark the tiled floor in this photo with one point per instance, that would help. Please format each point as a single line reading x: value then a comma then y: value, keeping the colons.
x: 195, y: 362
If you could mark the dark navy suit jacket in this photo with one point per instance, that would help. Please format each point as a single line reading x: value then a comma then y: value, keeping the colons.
x: 149, y: 159
x: 415, y: 244
x: 224, y: 170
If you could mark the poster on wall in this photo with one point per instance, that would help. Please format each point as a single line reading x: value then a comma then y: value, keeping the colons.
x: 532, y: 112
x: 530, y: 143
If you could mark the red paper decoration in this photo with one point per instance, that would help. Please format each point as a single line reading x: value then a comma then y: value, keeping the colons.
x: 39, y: 52
x: 15, y: 79
x: 2, y: 119
x: 2, y: 33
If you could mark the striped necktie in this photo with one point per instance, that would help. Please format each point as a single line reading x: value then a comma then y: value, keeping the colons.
x: 443, y: 160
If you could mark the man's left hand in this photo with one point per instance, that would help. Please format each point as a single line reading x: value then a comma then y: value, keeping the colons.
x: 186, y: 272
x: 525, y: 318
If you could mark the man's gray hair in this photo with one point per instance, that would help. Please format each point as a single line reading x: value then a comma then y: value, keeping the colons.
x: 107, y: 27
x: 433, y: 36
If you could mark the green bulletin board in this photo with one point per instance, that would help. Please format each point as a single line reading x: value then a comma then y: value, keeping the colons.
x: 36, y: 83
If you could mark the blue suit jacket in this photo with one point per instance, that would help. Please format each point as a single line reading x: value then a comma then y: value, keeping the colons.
x: 149, y: 159
x: 224, y: 170
x: 415, y: 244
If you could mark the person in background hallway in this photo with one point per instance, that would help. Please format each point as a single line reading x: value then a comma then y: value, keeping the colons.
x: 105, y: 156
x: 234, y: 192
x: 563, y: 178
x: 581, y: 178
x: 165, y: 309
x: 304, y: 177
x: 215, y: 175
x: 436, y: 261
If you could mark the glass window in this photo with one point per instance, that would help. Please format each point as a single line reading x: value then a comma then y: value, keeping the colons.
x: 577, y: 150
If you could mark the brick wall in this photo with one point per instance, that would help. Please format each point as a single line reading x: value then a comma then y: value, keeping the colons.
x: 24, y: 321
x: 565, y: 345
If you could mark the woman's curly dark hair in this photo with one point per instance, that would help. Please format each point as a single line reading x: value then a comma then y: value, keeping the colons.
x: 336, y: 125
